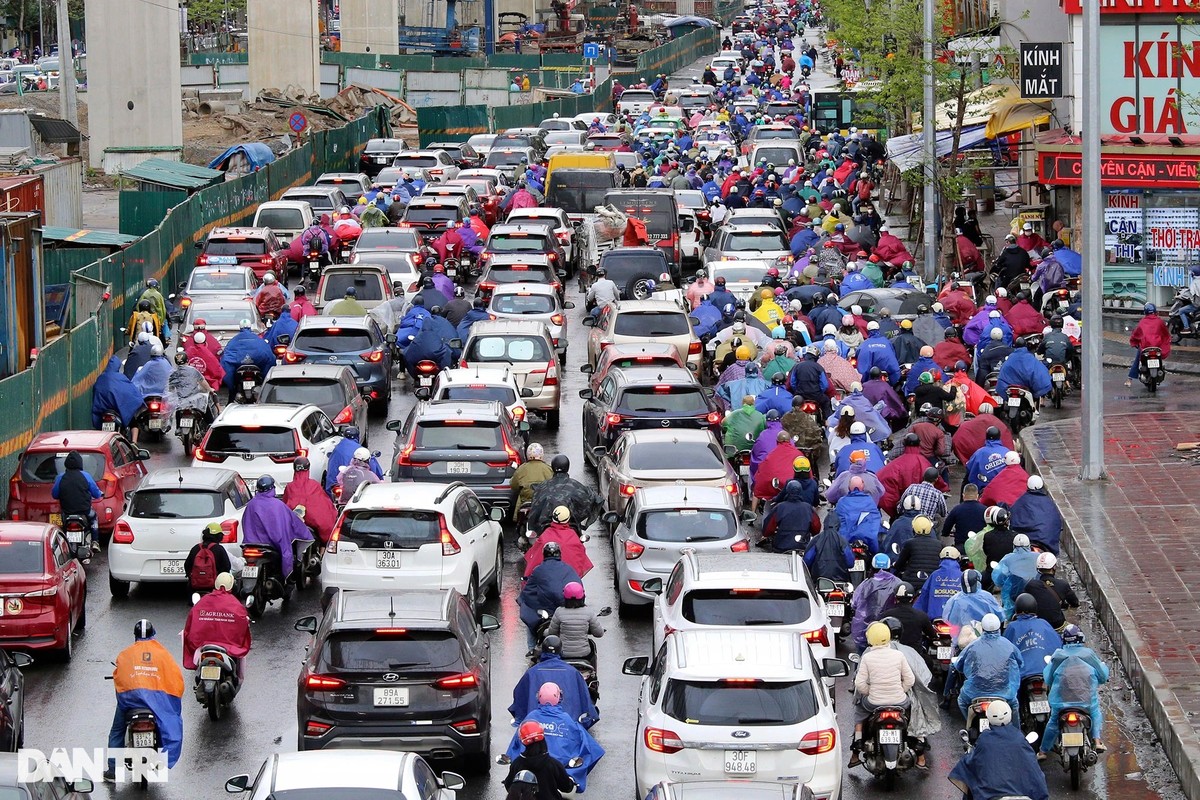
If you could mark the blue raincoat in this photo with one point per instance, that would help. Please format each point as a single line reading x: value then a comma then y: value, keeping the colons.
x: 858, y: 441
x: 1035, y: 638
x: 470, y: 318
x: 246, y: 343
x: 576, y: 702
x: 151, y: 379
x: 869, y: 601
x: 864, y: 412
x: 267, y: 520
x: 427, y: 346
x: 566, y: 739
x: 877, y: 351
x: 775, y: 397
x: 1006, y: 330
x: 710, y: 319
x: 114, y: 392
x: 753, y: 384
x: 898, y: 533
x: 411, y: 324
x: 1023, y: 368
x: 964, y: 608
x: 341, y: 457
x: 942, y: 584
x: 285, y: 325
x: 1074, y: 675
x: 543, y: 590
x: 859, y: 518
x: 146, y: 676
x: 991, y: 667
x: 986, y: 463
x: 1002, y: 765
x: 138, y: 355
x: 1036, y: 515
x: 924, y: 364
x: 442, y: 327
x: 1012, y: 573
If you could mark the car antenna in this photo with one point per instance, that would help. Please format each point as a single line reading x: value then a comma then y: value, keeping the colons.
x: 181, y: 478
x: 392, y: 605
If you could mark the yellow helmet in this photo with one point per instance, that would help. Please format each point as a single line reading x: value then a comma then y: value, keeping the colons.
x: 878, y: 634
x: 766, y: 294
x: 362, y: 201
x: 801, y: 464
x: 743, y: 353
x: 922, y: 526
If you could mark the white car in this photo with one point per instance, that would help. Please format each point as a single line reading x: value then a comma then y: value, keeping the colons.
x: 266, y: 438
x: 481, y: 383
x: 536, y: 301
x: 736, y: 703
x: 564, y: 231
x: 719, y: 63
x: 742, y: 279
x: 349, y: 773
x: 636, y: 101
x: 416, y: 536
x: 163, y: 519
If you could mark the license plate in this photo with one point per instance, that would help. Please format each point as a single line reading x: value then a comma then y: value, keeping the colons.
x: 170, y: 567
x: 1063, y: 304
x: 943, y: 653
x: 889, y: 736
x: 1072, y: 740
x: 1058, y: 377
x: 56, y: 519
x: 1153, y: 363
x: 425, y: 380
x: 836, y: 609
x: 1039, y: 706
x: 210, y: 673
x: 391, y: 696
x: 859, y: 565
x: 75, y: 537
x: 387, y: 560
x: 1014, y: 402
x: 458, y: 467
x: 155, y: 425
x: 380, y: 160
x: 247, y: 386
x: 741, y: 762
x: 983, y: 723
x: 186, y: 422
x: 451, y: 272
x: 108, y: 427
x: 222, y: 260
x: 143, y: 739
x: 250, y: 572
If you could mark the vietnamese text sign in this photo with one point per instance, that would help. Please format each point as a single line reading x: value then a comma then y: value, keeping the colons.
x: 1041, y: 72
x: 1122, y: 170
x: 1145, y: 77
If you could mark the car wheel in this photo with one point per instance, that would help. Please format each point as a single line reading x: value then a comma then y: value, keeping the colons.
x: 68, y: 651
x: 118, y: 588
x: 495, y: 585
x: 473, y: 593
x: 638, y: 286
x: 81, y: 623
x: 552, y: 419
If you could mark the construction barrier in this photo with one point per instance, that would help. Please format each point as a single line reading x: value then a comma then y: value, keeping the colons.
x: 671, y: 56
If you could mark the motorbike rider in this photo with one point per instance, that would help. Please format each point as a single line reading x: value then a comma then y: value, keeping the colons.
x: 1057, y: 346
x: 573, y: 622
x: 791, y: 521
x: 542, y: 589
x: 116, y: 393
x: 1032, y: 635
x: 602, y: 293
x: 1001, y: 764
x: 988, y: 460
x: 1014, y: 571
x: 1052, y: 594
x: 151, y: 377
x: 342, y: 454
x: 266, y: 520
x: 829, y: 556
x: 560, y: 489
x: 142, y: 316
x: 158, y: 303
x: 357, y: 472
x: 550, y: 668
x: 920, y: 556
x: 187, y: 388
x: 138, y: 354
x: 1192, y: 295
x: 245, y: 344
x: 269, y: 299
x: 315, y: 239
x: 524, y: 786
x: 1012, y: 263
x: 146, y: 676
x: 528, y: 475
x: 568, y: 742
x: 218, y: 618
x: 211, y: 537
x: 1023, y: 368
x: 75, y: 489
x: 570, y: 545
x: 347, y: 306
x: 970, y: 603
x: 430, y: 344
x: 942, y: 584
x: 303, y: 491
x: 535, y: 766
x: 991, y: 667
x: 1073, y: 678
x: 872, y: 598
x: 858, y: 515
x: 883, y: 679
x: 1151, y: 331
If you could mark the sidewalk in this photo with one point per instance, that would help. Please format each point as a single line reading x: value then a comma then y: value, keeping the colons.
x: 1135, y: 541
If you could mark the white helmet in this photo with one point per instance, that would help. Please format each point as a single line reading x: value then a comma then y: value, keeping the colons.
x: 990, y: 623
x: 1020, y: 540
x: 1047, y: 561
x: 999, y: 713
x: 269, y: 277
x: 362, y: 454
x: 1034, y: 483
x: 199, y: 337
x: 156, y: 349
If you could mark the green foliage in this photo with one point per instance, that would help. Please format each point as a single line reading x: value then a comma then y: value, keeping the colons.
x: 201, y: 11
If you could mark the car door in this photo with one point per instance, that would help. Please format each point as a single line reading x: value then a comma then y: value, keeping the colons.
x: 606, y: 470
x: 357, y: 403
x: 488, y: 554
x: 69, y: 574
x: 664, y: 604
x: 128, y: 468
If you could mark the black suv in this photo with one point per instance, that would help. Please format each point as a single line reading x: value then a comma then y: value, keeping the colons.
x: 398, y: 670
x: 644, y: 397
x: 630, y: 268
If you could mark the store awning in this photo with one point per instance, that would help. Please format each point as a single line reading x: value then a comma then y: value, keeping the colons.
x: 1013, y: 113
x: 907, y: 152
x: 1001, y: 108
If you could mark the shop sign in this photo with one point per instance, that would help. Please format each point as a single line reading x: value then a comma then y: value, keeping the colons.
x: 1170, y: 276
x: 1136, y: 6
x: 1122, y: 228
x: 1041, y: 70
x: 1146, y: 84
x: 1162, y: 171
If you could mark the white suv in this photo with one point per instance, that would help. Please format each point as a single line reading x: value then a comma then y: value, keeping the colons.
x: 737, y: 703
x: 415, y: 536
x: 480, y: 383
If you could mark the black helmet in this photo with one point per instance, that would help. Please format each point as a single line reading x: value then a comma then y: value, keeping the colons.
x: 1056, y: 322
x: 300, y: 290
x: 1001, y: 518
x: 266, y: 484
x: 560, y: 463
x: 427, y: 282
x: 993, y: 434
x: 301, y: 464
x: 911, y: 440
x: 552, y: 644
x: 525, y: 776
x: 180, y: 357
x: 143, y: 629
x: 971, y: 580
x: 551, y: 550
x: 778, y: 379
x: 874, y: 373
x: 144, y: 305
x: 1026, y: 604
x: 351, y: 432
x: 1020, y: 342
x: 930, y: 475
x: 351, y: 291
x: 436, y: 311
x: 895, y: 627
x: 905, y: 592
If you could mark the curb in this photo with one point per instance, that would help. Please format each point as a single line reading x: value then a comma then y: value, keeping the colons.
x: 1168, y: 719
x: 1175, y: 368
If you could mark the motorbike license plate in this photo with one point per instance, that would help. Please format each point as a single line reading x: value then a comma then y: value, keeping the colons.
x: 1072, y: 739
x: 1063, y: 304
x: 1057, y: 377
x: 889, y: 736
x: 1014, y: 402
x: 836, y: 609
x: 425, y: 380
x: 250, y: 572
x: 859, y: 565
x: 108, y: 427
x: 458, y: 467
x: 173, y: 567
x: 1039, y: 706
x: 1153, y: 363
x: 983, y: 724
x: 943, y: 653
x: 56, y: 519
x: 451, y: 272
x: 155, y: 425
x: 210, y: 673
x: 391, y: 696
x: 741, y: 762
x: 186, y: 422
x: 386, y: 559
x: 75, y: 537
x: 247, y: 386
x: 142, y: 739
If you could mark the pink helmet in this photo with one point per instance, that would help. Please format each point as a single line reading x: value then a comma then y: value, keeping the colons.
x: 573, y: 591
x: 549, y: 694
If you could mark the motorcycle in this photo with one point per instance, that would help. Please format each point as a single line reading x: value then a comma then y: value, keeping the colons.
x: 1056, y: 302
x: 1074, y: 746
x: 156, y: 421
x: 190, y: 426
x: 262, y: 581
x: 1175, y: 320
x: 1058, y: 382
x: 1150, y: 368
x: 79, y: 534
x: 110, y: 421
x: 939, y: 650
x: 426, y: 372
x: 977, y: 721
x: 312, y: 269
x: 861, y: 569
x: 216, y: 680
x: 246, y: 381
x: 1034, y: 702
x: 836, y: 595
x: 586, y: 666
x: 1021, y: 408
x: 142, y: 733
x: 885, y: 747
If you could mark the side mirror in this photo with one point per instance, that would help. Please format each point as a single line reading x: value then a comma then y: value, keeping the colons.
x: 455, y: 344
x: 528, y: 393
x: 835, y: 668
x: 694, y: 320
x: 487, y: 623
x: 709, y: 392
x: 730, y: 451
x: 284, y: 339
x: 561, y: 273
x: 1031, y: 737
x: 453, y: 781
x: 82, y: 786
x: 895, y: 548
x: 306, y: 625
x: 639, y: 665
x: 143, y: 455
x: 586, y: 394
x: 586, y: 369
x: 524, y: 426
x: 599, y: 452
x: 237, y: 784
x: 653, y: 586
x: 198, y: 245
x: 390, y: 338
x: 589, y: 321
x: 422, y: 393
x: 687, y: 225
x: 611, y: 517
x: 22, y: 660
x: 394, y: 425
x: 496, y: 514
x: 568, y: 305
x: 825, y: 585
x: 749, y: 516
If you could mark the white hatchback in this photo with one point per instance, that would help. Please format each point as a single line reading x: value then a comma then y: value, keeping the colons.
x: 415, y: 536
x: 480, y: 383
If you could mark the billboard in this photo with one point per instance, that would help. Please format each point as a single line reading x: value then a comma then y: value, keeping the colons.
x: 1149, y: 83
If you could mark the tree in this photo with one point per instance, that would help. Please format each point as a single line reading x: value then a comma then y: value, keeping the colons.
x: 215, y: 11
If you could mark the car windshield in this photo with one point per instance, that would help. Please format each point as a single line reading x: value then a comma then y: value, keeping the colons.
x: 565, y: 137
x: 651, y: 323
x: 480, y: 391
x: 384, y: 238
x: 332, y: 340
x: 481, y: 140
x: 22, y: 557
x: 405, y: 530
x: 325, y: 393
x: 520, y: 273
x: 513, y: 349
x: 382, y: 146
x: 280, y: 219
x: 518, y: 243
x: 740, y: 274
x: 412, y: 160
x: 235, y: 247
x: 391, y: 649
x: 250, y: 439
x: 217, y: 281
x: 44, y: 466
x: 176, y: 504
x: 675, y: 455
x: 754, y: 242
x: 735, y: 701
x: 578, y: 191
x: 475, y: 435
x: 694, y: 101
x: 686, y: 525
x: 318, y: 200
x: 523, y: 303
x: 506, y: 158
x: 366, y: 287
x: 747, y: 606
x: 222, y: 318
x: 431, y: 214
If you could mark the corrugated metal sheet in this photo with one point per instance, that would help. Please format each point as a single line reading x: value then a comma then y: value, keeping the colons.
x: 23, y: 193
x: 64, y: 192
x: 387, y: 80
x: 174, y: 174
x: 486, y: 79
x: 419, y: 99
x: 434, y: 81
x: 85, y: 237
x: 486, y: 97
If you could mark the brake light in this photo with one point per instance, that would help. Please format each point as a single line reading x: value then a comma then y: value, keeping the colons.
x: 551, y: 374
x: 552, y: 256
x: 1072, y: 718
x: 839, y: 596
x: 743, y: 681
x: 890, y: 714
x: 556, y: 286
x: 313, y: 728
x: 564, y: 236
x: 122, y: 534
x: 694, y: 347
x: 1013, y: 391
x: 203, y: 455
x: 732, y: 488
x: 612, y: 419
x: 557, y: 319
x: 809, y: 407
x: 628, y: 489
x: 465, y: 680
x: 253, y: 553
x: 201, y: 260
x: 293, y: 358
x: 267, y: 261
x: 427, y: 367
x: 345, y: 416
x: 449, y: 543
x: 740, y: 546
x: 230, y: 527
x: 404, y: 458
x: 818, y: 742
x: 154, y: 406
x: 14, y: 492
x: 373, y: 357
x: 819, y: 636
x: 391, y: 631
x: 633, y: 550
x: 940, y: 627
x: 487, y: 286
x: 466, y: 726
x: 323, y: 683
x: 660, y: 740
x: 713, y: 417
x: 184, y: 302
x: 331, y: 546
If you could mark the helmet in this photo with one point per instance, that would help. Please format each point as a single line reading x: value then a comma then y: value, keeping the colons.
x: 152, y: 283
x: 858, y: 428
x: 999, y: 712
x: 1047, y: 561
x: 911, y: 440
x: 301, y: 464
x: 904, y: 590
x: 993, y: 433
x: 1001, y: 517
x: 1026, y: 603
x: 562, y: 514
x: 988, y: 408
x: 573, y: 591
x: 269, y: 277
x: 1072, y: 635
x: 878, y: 634
x: 531, y: 732
x: 970, y: 580
x: 895, y: 627
x: 560, y: 463
x: 922, y: 526
x: 144, y: 305
x: 362, y: 454
x: 552, y: 644
x: 779, y: 379
x: 199, y: 337
x: 950, y: 552
x: 991, y: 623
x: 1035, y: 483
x: 265, y: 484
x: 223, y: 581
x: 549, y: 694
x: 143, y: 629
x: 525, y: 776
x: 351, y: 291
x: 743, y: 353
x: 180, y: 357
x: 719, y: 280
x: 1056, y: 322
x: 881, y: 561
x: 351, y: 432
x: 1150, y: 309
x: 1020, y: 540
x: 551, y: 550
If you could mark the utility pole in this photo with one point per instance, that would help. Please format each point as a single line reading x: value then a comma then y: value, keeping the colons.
x: 68, y: 103
x: 1093, y: 251
x: 929, y: 130
x: 41, y: 29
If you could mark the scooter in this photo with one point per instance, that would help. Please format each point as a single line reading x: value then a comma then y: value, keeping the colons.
x: 1150, y: 368
x: 1175, y: 320
x: 426, y: 372
x: 977, y: 721
x: 1074, y: 746
x: 1020, y: 407
x: 216, y: 680
x: 885, y: 748
x: 312, y: 269
x: 156, y: 421
x: 1058, y: 382
x: 939, y: 650
x: 190, y: 426
x: 1034, y: 702
x: 585, y: 666
x: 246, y: 381
x: 142, y: 733
x: 262, y: 581
x: 110, y: 422
x: 78, y: 531
x: 860, y: 570
x: 835, y: 594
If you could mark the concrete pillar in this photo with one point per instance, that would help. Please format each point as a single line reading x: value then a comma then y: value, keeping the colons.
x: 133, y: 82
x: 370, y: 26
x: 284, y: 45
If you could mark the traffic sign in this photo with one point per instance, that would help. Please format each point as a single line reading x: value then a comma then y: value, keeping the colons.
x: 591, y: 50
x: 297, y: 122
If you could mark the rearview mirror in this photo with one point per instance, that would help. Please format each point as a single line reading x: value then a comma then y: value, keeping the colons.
x: 611, y: 517
x: 306, y: 625
x: 639, y: 665
x: 393, y: 425
x: 825, y: 585
x: 586, y: 369
x: 22, y: 660
x: 422, y: 393
x: 599, y: 452
x: 237, y: 784
x: 528, y: 393
x: 487, y: 622
x: 589, y: 321
x: 652, y: 586
x: 568, y: 305
x: 749, y: 516
x: 585, y: 394
x: 455, y: 344
x: 561, y: 273
x: 390, y: 338
x: 284, y: 339
x: 730, y: 451
x: 453, y: 781
x: 604, y: 612
x: 835, y: 668
x: 198, y: 245
x: 143, y: 455
x: 82, y: 786
x: 496, y: 514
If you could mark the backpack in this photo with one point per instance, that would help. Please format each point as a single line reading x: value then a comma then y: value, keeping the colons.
x: 204, y: 569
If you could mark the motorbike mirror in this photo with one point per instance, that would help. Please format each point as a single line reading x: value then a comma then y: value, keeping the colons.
x: 487, y: 622
x: 496, y: 514
x: 825, y: 585
x: 775, y: 483
x: 586, y: 369
x: 854, y: 658
x: 604, y: 612
x: 455, y: 344
x: 749, y: 516
x: 525, y: 393
x: 524, y: 426
x: 394, y: 425
x: 964, y: 736
x: 22, y: 660
x: 390, y: 338
x: 171, y: 297
x: 568, y: 305
x: 453, y: 781
x: 562, y: 273
x: 710, y: 392
x: 422, y: 392
x: 284, y: 339
x: 503, y: 760
x: 636, y: 666
x: 195, y: 598
x: 82, y: 786
x: 306, y: 625
x: 598, y: 451
x: 611, y: 517
x: 896, y: 548
x: 543, y: 613
x: 143, y: 455
x: 730, y: 451
x: 835, y: 668
x: 237, y: 784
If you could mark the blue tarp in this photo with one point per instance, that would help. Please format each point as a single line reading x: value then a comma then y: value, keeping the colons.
x: 699, y: 22
x: 257, y: 154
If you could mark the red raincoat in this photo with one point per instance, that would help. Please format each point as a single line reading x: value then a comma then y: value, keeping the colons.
x: 958, y: 305
x: 1024, y: 319
x: 900, y: 473
x: 1009, y: 484
x: 947, y: 353
x: 221, y: 619
x: 889, y: 248
x: 777, y: 464
x: 1151, y: 332
x: 319, y: 512
x: 974, y: 394
x: 972, y: 435
x: 200, y: 354
x: 574, y: 554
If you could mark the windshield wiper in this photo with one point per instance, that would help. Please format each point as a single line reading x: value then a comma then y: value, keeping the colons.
x: 762, y: 622
x: 759, y: 721
x: 654, y: 410
x: 160, y: 515
x: 703, y: 539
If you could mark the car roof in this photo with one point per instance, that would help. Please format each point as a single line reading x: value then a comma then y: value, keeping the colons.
x: 296, y: 204
x: 479, y: 374
x: 310, y: 189
x: 524, y: 288
x: 25, y: 531
x: 457, y: 409
x: 308, y: 322
x: 661, y: 306
x: 518, y: 227
x: 374, y: 606
x: 740, y: 652
x: 286, y: 371
x: 337, y: 769
x: 680, y: 496
x: 750, y: 227
x: 190, y: 477
x: 642, y: 436
x: 627, y: 251
x: 238, y: 414
x: 760, y: 567
x: 496, y: 327
x: 654, y: 375
x: 436, y: 200
x: 71, y: 440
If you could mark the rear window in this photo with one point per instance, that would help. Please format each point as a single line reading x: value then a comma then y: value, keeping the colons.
x: 367, y: 287
x: 747, y: 607
x: 579, y: 191
x: 523, y: 303
x: 406, y: 530
x: 502, y: 394
x: 657, y: 211
x: 651, y: 323
x: 256, y: 439
x: 686, y: 525
x: 623, y: 266
x: 532, y: 242
x: 411, y: 651
x: 427, y: 214
x: 694, y: 101
x: 383, y: 238
x: 299, y: 391
x: 219, y: 318
x: 279, y: 219
x: 22, y: 557
x: 508, y: 348
x: 519, y: 273
x: 506, y: 158
x: 318, y: 200
x: 176, y: 503
x: 377, y: 146
x: 476, y: 436
x: 750, y: 242
x: 44, y: 466
x: 235, y: 247
x: 333, y: 340
x: 774, y: 155
x: 740, y: 274
x: 693, y: 455
x: 639, y: 95
x: 740, y: 702
x: 406, y: 160
x: 217, y: 281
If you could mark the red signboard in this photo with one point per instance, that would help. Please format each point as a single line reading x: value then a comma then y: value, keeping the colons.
x: 1121, y: 170
x: 1136, y: 6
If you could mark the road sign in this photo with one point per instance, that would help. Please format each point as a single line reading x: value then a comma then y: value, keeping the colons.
x: 1041, y: 76
x: 591, y: 50
x: 297, y: 122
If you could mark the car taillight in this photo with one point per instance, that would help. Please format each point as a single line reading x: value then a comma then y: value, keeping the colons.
x: 344, y: 417
x: 732, y: 488
x: 449, y: 543
x: 122, y: 534
x: 940, y: 627
x: 293, y: 358
x: 552, y: 256
x: 487, y: 286
x: 334, y: 538
x: 694, y: 348
x: 201, y: 260
x: 633, y: 550
x: 267, y: 261
x: 518, y: 414
x: 817, y: 742
x: 203, y: 455
x: 373, y: 357
x: 323, y: 683
x: 557, y: 319
x: 49, y: 591
x: 740, y: 546
x: 314, y: 728
x: 465, y: 680
x: 660, y: 740
x: 556, y: 286
x: 714, y: 417
x: 230, y: 528
x: 819, y: 636
x: 612, y: 419
x: 564, y: 236
x: 466, y: 726
x: 628, y: 489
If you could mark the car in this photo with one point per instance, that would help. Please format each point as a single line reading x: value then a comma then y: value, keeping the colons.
x: 330, y: 387
x: 265, y: 439
x: 472, y: 442
x: 509, y: 159
x: 756, y: 216
x: 577, y: 191
x: 219, y: 283
x: 659, y: 523
x: 287, y: 219
x: 461, y: 153
x: 631, y: 267
x: 774, y: 590
x: 353, y: 184
x: 394, y: 249
x: 44, y: 589
x: 534, y: 138
x: 749, y: 247
x: 372, y: 285
x: 222, y: 318
x: 482, y: 143
x: 478, y: 383
x: 719, y: 63
x: 533, y: 301
x: 630, y: 354
x: 437, y: 163
x: 12, y: 707
x: 657, y: 208
x: 771, y: 132
x: 609, y: 141
x: 526, y: 347
x: 417, y: 536
x: 452, y: 189
x: 693, y: 100
x: 569, y: 138
x: 741, y: 281
x: 388, y: 177
x: 526, y: 237
x: 644, y: 321
x: 257, y: 248
x: 499, y: 177
x: 607, y: 118
x: 564, y: 231
x: 722, y: 790
x: 736, y: 702
x: 562, y: 124
x: 355, y: 342
x: 377, y: 154
x: 430, y: 216
x: 405, y: 670
x: 636, y: 101
x: 782, y: 109
x: 508, y: 268
x: 487, y: 192
x: 115, y: 464
x: 164, y: 518
x: 777, y: 152
x: 657, y: 456
x: 324, y: 199
x: 349, y: 774
x: 15, y: 784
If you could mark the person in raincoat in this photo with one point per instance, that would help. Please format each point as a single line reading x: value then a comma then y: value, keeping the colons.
x: 478, y: 312
x: 983, y: 461
x: 829, y: 556
x: 542, y: 589
x: 1036, y: 514
x: 575, y: 700
x: 858, y: 516
x: 411, y: 323
x: 925, y: 363
x: 973, y: 331
x: 923, y: 718
x: 751, y: 385
x: 942, y: 584
x: 876, y: 351
x: 1033, y: 636
x: 866, y: 413
x: 970, y: 604
x: 805, y: 430
x: 766, y: 441
x: 842, y: 374
x: 187, y: 389
x: 1008, y: 485
x: 792, y: 521
x: 151, y: 377
x: 1014, y: 571
x: 139, y: 354
x: 560, y: 489
x: 571, y: 549
x: 354, y: 474
x: 776, y: 396
x: 343, y: 453
x: 883, y: 678
x: 903, y: 471
x: 303, y: 491
x: 285, y: 325
x: 779, y: 362
x: 991, y: 667
x: 204, y: 359
x: 1073, y: 678
x: 857, y: 469
x: 348, y: 306
x: 245, y: 344
x: 527, y: 476
x: 158, y: 303
x: 858, y: 443
x: 872, y: 598
x: 1151, y: 331
x: 147, y: 676
x: 427, y: 345
x: 775, y: 469
x: 1001, y: 764
x: 566, y: 739
x: 881, y: 394
x: 221, y: 619
x: 114, y: 392
x: 1023, y: 368
x: 742, y: 426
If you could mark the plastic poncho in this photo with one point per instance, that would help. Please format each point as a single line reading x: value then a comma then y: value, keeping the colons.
x: 346, y: 307
x: 732, y: 392
x: 246, y: 343
x: 893, y: 408
x: 859, y: 518
x: 411, y: 324
x: 764, y: 444
x: 561, y: 489
x: 841, y: 372
x: 974, y: 328
x: 574, y: 553
x: 991, y: 667
x: 341, y: 456
x: 428, y: 345
x: 864, y: 412
x: 1035, y: 638
x: 1073, y: 676
x: 1012, y: 573
x: 877, y: 351
x: 828, y: 556
x: 901, y: 472
x: 744, y: 422
x: 354, y: 475
x: 1006, y: 487
x: 964, y: 608
x: 267, y: 520
x: 146, y: 676
x: 942, y: 584
x: 206, y: 361
x: 221, y: 619
x: 1036, y: 515
x: 566, y: 740
x: 859, y: 442
x: 576, y: 702
x: 869, y: 602
x: 151, y: 378
x: 114, y: 392
x: 1023, y: 368
x: 186, y: 388
x: 841, y: 484
x: 1002, y: 765
x: 923, y: 716
x: 319, y: 512
x: 775, y: 470
x: 138, y: 355
x: 543, y: 590
x: 284, y: 326
x: 470, y: 318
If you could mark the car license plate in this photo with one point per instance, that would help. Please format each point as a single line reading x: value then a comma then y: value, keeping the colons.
x: 889, y: 736
x: 381, y: 160
x: 75, y: 537
x: 186, y: 422
x: 836, y: 609
x: 391, y: 696
x: 1014, y: 402
x: 172, y: 567
x: 155, y: 425
x: 250, y: 572
x: 741, y: 762
x: 1072, y: 740
x: 386, y: 559
x: 142, y: 739
x: 1153, y: 363
x: 108, y: 427
x: 983, y: 723
x: 56, y: 519
x: 943, y: 653
x: 458, y: 467
x: 859, y: 565
x: 222, y: 260
x: 1039, y: 706
x: 210, y: 673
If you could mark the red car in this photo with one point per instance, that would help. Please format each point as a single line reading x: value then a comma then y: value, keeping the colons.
x: 43, y: 587
x: 113, y: 463
x: 257, y: 248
